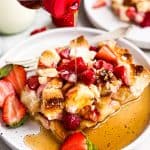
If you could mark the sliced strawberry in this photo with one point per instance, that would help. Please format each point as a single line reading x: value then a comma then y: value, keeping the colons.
x: 88, y: 77
x: 103, y: 64
x: 99, y: 3
x: 106, y: 54
x: 6, y: 89
x: 14, y: 111
x: 76, y: 141
x: 17, y: 77
x: 121, y: 72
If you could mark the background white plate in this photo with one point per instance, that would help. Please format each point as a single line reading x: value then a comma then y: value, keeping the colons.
x: 32, y: 48
x: 104, y: 18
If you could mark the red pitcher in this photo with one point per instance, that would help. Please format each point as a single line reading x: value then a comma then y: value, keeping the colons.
x: 63, y: 12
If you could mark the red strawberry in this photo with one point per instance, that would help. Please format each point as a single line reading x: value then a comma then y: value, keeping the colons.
x: 77, y: 141
x: 106, y: 54
x: 99, y: 3
x: 14, y: 111
x: 103, y: 64
x: 94, y: 48
x: 78, y: 64
x: 17, y: 77
x: 121, y: 72
x: 71, y: 121
x: 65, y: 53
x: 146, y: 21
x: 6, y: 89
x: 74, y: 65
x: 33, y: 82
x: 88, y: 77
x: 131, y: 13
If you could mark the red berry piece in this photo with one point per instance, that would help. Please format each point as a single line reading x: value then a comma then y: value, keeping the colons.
x: 77, y: 141
x: 33, y: 82
x: 131, y: 13
x: 106, y: 54
x: 65, y: 53
x: 88, y: 77
x: 71, y: 121
x: 94, y: 48
x: 78, y: 64
x: 121, y: 72
x: 103, y: 64
x: 146, y: 21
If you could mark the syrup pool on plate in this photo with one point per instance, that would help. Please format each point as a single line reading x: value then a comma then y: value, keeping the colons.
x: 117, y: 132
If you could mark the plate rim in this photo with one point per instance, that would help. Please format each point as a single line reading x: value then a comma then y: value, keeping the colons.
x: 141, y: 44
x: 146, y: 132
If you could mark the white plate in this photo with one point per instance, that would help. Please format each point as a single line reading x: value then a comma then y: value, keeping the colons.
x: 32, y: 48
x: 104, y: 18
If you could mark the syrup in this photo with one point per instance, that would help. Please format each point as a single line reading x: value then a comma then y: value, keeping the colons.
x: 117, y: 132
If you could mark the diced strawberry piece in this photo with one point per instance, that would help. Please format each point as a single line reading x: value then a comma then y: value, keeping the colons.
x: 38, y: 30
x: 121, y: 72
x: 76, y: 141
x: 65, y: 53
x: 71, y: 121
x: 74, y: 65
x: 131, y: 13
x: 146, y: 21
x: 33, y: 82
x: 6, y: 89
x: 78, y: 65
x: 103, y: 64
x: 88, y: 77
x: 99, y: 3
x: 14, y: 111
x: 94, y: 48
x: 17, y: 77
x: 106, y: 54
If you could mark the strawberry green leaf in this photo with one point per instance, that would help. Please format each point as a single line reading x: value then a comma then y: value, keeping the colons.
x: 91, y: 146
x: 20, y: 123
x: 4, y: 71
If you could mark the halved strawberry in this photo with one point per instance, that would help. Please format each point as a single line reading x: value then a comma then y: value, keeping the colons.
x: 77, y: 141
x: 14, y: 112
x: 103, y: 64
x: 106, y: 54
x: 6, y: 89
x: 17, y: 77
x: 121, y: 72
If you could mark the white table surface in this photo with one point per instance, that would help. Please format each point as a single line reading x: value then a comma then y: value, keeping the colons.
x: 42, y: 19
